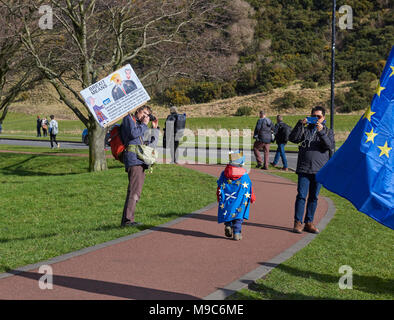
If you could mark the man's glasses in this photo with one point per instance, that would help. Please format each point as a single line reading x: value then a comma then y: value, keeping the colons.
x: 317, y: 116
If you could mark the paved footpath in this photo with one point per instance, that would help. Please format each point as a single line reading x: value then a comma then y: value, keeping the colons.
x: 189, y: 258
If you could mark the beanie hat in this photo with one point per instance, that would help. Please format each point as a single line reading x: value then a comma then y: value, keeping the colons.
x: 236, y: 158
x: 173, y: 110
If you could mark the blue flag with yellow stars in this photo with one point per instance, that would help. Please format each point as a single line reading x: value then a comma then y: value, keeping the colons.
x: 362, y: 169
x: 234, y: 198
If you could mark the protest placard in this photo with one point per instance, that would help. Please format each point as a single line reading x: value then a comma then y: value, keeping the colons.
x: 113, y: 97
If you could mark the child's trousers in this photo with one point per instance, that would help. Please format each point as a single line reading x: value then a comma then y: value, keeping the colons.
x: 235, y: 224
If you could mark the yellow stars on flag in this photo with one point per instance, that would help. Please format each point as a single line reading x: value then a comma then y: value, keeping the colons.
x: 238, y: 183
x: 245, y: 203
x: 384, y: 150
x: 371, y: 136
x: 239, y: 209
x: 368, y: 114
x: 222, y: 206
x: 229, y: 181
x: 247, y: 195
x: 379, y: 89
x: 392, y: 71
x: 223, y: 185
x: 245, y: 185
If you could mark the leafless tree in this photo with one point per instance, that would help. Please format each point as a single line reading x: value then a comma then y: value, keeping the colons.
x: 16, y: 73
x: 92, y: 38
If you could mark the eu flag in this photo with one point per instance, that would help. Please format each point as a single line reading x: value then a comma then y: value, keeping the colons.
x: 362, y: 168
x: 234, y: 200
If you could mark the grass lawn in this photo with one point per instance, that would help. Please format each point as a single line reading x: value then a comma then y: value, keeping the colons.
x: 351, y: 238
x: 52, y: 205
x: 17, y: 125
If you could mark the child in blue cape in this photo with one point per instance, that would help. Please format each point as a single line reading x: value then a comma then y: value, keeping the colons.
x: 234, y: 194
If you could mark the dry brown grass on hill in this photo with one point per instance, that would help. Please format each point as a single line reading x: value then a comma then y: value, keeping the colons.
x: 43, y: 100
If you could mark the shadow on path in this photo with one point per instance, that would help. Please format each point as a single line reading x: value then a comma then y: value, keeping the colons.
x: 192, y: 233
x: 108, y: 288
x: 253, y: 224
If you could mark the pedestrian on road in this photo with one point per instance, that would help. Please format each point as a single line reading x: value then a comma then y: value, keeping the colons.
x: 263, y: 136
x: 282, y: 131
x: 44, y: 125
x: 38, y: 126
x: 234, y: 194
x: 316, y: 144
x: 53, y: 131
x: 133, y: 131
x: 173, y: 132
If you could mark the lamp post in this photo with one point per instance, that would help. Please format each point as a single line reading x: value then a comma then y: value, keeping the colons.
x: 332, y: 64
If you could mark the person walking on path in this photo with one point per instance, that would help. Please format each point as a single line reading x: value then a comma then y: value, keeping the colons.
x: 38, y: 126
x: 133, y: 129
x: 173, y: 132
x: 44, y: 125
x: 234, y: 194
x: 53, y: 131
x: 282, y: 132
x: 263, y: 136
x: 316, y: 143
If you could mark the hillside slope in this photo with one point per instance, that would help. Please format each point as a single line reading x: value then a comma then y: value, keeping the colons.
x: 42, y: 100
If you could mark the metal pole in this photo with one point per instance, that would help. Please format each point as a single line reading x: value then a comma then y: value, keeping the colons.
x: 332, y: 64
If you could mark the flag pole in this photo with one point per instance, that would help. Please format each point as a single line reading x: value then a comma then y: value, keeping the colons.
x: 332, y: 65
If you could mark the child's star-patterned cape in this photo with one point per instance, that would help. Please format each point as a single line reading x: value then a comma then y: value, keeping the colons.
x: 234, y: 198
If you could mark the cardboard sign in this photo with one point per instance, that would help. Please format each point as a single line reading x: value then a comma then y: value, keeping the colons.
x: 113, y: 97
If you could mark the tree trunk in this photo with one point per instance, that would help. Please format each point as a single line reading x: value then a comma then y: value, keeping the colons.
x: 97, y: 159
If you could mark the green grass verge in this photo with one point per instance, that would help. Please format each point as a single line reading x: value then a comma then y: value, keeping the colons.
x: 46, y: 150
x: 23, y: 126
x: 351, y: 238
x: 52, y: 205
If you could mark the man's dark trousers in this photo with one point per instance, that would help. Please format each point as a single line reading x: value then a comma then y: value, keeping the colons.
x: 136, y: 181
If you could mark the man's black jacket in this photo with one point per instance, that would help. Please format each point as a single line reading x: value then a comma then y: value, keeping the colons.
x: 314, y: 148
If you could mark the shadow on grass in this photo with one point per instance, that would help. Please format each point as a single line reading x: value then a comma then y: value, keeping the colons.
x: 107, y: 288
x: 15, y: 169
x: 42, y: 236
x: 272, y: 294
x: 368, y: 284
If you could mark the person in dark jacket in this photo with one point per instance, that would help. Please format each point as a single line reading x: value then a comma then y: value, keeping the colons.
x: 262, y: 134
x: 38, y: 126
x: 173, y: 133
x: 134, y: 130
x: 316, y: 143
x: 281, y: 140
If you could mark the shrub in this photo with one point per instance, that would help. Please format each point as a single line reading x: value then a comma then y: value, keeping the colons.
x: 243, y: 111
x: 281, y: 77
x: 301, y: 103
x: 286, y: 102
x: 204, y: 92
x: 227, y: 90
x: 246, y: 82
x: 308, y: 84
x: 176, y: 96
x: 340, y: 99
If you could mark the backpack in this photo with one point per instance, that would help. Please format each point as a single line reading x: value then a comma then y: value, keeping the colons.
x: 286, y: 130
x: 116, y: 143
x: 180, y: 122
